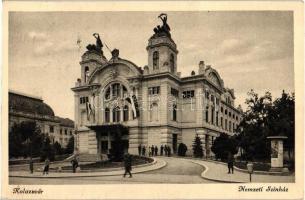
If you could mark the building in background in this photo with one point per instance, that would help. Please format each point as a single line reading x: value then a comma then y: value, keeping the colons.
x: 24, y: 107
x: 152, y: 105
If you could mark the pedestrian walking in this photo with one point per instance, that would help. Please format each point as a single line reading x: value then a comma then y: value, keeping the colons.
x: 161, y: 150
x: 152, y: 150
x: 46, y: 166
x: 127, y: 164
x: 31, y: 165
x: 156, y: 150
x: 230, y: 163
x: 139, y: 149
x: 143, y: 151
x: 149, y: 151
x: 74, y: 163
x: 168, y: 151
x: 165, y: 150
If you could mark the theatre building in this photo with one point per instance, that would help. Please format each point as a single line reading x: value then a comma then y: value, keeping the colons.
x: 150, y: 105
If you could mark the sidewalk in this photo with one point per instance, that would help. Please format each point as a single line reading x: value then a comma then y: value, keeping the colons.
x: 219, y: 172
x: 25, y: 174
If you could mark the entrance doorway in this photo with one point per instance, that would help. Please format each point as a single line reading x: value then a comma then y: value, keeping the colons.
x: 175, y: 140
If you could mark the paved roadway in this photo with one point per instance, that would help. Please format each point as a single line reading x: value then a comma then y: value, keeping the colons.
x: 176, y: 171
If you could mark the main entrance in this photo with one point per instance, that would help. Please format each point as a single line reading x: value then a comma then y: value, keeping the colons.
x: 110, y: 137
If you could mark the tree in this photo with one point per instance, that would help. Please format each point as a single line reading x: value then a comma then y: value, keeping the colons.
x: 252, y: 128
x: 265, y: 118
x: 197, y: 147
x: 58, y: 149
x: 182, y: 148
x: 70, y: 146
x: 25, y: 139
x: 281, y: 120
x: 223, y: 145
x: 47, y: 150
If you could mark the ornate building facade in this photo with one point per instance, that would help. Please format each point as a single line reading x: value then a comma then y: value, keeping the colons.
x: 23, y: 107
x: 152, y: 105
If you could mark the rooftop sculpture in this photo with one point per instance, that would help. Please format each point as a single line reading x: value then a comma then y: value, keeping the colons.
x: 164, y: 29
x: 96, y: 47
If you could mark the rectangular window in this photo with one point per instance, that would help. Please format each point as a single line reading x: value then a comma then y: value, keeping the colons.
x: 217, y: 124
x: 51, y: 129
x: 229, y: 114
x: 226, y: 124
x: 221, y: 109
x: 212, y: 98
x: 60, y: 131
x: 230, y: 128
x: 217, y: 101
x: 188, y: 94
x: 221, y: 122
x: 83, y: 100
x: 174, y: 92
x: 207, y: 116
x: 66, y: 132
x: 154, y: 90
x: 212, y: 116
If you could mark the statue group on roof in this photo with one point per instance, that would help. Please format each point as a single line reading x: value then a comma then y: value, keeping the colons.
x: 164, y: 29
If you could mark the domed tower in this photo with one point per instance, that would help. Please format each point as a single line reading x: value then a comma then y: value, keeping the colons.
x: 91, y: 59
x: 162, y: 50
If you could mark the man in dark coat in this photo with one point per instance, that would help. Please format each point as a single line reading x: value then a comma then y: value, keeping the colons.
x: 127, y: 164
x: 46, y: 166
x: 74, y: 163
x: 143, y: 151
x: 230, y: 163
x: 161, y: 150
x: 156, y: 150
x: 168, y: 151
x: 139, y: 149
x: 165, y: 150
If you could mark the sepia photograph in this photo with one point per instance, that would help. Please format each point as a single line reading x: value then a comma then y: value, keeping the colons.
x: 139, y: 97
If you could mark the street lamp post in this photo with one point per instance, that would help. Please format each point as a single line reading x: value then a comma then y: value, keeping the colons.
x: 250, y: 170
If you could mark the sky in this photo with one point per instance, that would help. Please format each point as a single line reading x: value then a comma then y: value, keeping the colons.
x: 250, y: 50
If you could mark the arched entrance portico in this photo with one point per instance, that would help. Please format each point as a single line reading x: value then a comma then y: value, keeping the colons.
x: 111, y: 138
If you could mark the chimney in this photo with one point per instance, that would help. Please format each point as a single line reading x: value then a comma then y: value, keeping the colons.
x: 201, y: 67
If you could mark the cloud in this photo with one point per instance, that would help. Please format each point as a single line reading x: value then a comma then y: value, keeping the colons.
x: 51, y: 47
x: 38, y: 36
x: 234, y: 46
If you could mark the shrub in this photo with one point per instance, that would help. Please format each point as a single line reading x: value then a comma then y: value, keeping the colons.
x: 197, y: 147
x: 182, y: 148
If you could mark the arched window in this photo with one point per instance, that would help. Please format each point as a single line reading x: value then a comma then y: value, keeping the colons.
x: 174, y: 112
x: 107, y: 115
x: 126, y: 113
x: 107, y: 94
x: 86, y: 74
x: 116, y: 89
x: 172, y: 63
x: 116, y: 114
x: 156, y: 60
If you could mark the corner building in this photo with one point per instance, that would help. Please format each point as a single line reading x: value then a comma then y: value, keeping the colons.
x: 152, y: 105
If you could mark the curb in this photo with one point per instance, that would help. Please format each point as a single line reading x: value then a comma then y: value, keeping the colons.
x: 116, y: 173
x: 211, y: 179
x: 254, y: 172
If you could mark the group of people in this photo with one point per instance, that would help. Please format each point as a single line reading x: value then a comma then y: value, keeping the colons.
x: 46, y: 167
x: 153, y: 150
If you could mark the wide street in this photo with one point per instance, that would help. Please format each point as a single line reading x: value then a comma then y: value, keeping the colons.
x: 176, y: 171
